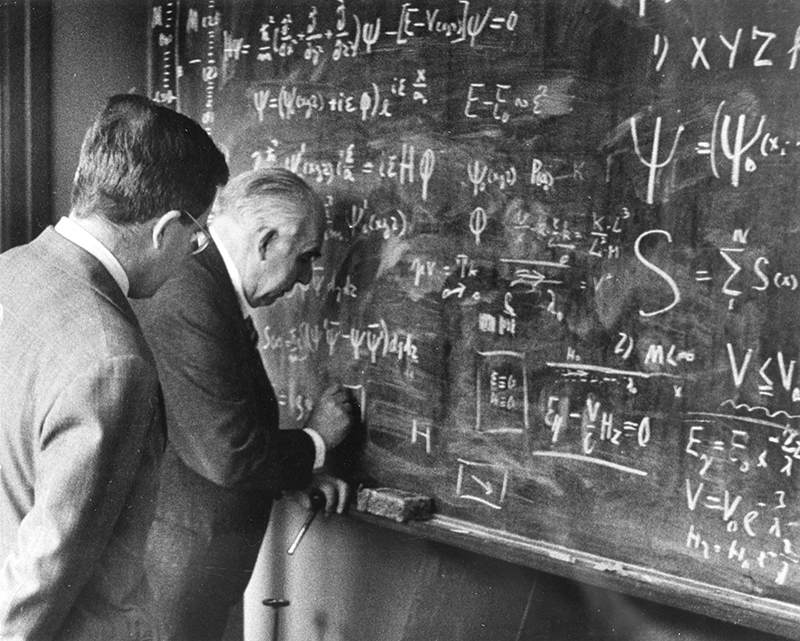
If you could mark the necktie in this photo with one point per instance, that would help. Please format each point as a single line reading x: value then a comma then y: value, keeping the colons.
x: 252, y: 332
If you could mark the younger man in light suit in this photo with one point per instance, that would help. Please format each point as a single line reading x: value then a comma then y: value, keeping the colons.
x: 81, y: 419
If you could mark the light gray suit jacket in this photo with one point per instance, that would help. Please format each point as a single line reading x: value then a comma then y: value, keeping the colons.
x: 81, y: 434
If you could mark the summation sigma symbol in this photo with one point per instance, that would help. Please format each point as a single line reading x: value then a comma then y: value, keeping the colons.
x: 584, y: 309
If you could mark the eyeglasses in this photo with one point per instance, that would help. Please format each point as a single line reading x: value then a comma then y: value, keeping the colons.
x: 200, y: 237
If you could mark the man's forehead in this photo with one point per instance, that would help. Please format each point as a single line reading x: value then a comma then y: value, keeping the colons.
x: 294, y: 208
x: 306, y: 227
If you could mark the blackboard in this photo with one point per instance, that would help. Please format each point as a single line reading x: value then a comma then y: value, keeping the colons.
x: 561, y: 267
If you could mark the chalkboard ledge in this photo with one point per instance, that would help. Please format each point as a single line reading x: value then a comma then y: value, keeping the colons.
x: 767, y: 615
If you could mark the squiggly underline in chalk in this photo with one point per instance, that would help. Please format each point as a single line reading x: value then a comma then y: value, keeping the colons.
x: 750, y: 408
x: 589, y: 459
x: 610, y: 370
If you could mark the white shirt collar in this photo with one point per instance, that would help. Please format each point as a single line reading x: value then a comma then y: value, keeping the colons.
x: 233, y: 273
x: 72, y: 231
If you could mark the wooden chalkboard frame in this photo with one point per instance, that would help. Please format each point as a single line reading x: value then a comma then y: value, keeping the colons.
x: 766, y: 615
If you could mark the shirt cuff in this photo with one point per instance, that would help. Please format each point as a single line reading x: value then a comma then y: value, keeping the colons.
x: 319, y: 447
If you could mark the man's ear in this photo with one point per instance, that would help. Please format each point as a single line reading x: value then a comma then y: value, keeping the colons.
x: 161, y: 225
x: 265, y: 237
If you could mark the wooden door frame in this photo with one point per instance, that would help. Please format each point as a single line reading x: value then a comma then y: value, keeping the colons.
x: 25, y: 120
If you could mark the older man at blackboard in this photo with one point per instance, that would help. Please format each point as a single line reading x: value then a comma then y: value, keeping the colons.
x: 81, y: 423
x: 227, y: 460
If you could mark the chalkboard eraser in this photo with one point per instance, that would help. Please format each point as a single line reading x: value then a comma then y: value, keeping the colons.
x: 397, y: 505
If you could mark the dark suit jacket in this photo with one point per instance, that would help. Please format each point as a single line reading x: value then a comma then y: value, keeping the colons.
x: 81, y: 432
x: 226, y: 458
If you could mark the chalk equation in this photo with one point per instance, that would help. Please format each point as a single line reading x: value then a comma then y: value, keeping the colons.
x: 293, y: 101
x: 738, y: 495
x: 373, y: 341
x: 560, y: 267
x: 756, y: 48
x: 405, y: 166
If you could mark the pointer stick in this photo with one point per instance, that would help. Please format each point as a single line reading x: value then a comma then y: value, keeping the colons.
x: 317, y: 503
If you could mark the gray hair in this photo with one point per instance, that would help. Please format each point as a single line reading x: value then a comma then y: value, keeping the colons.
x: 245, y: 194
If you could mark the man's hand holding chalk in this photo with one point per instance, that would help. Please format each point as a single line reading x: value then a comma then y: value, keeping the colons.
x: 332, y: 419
x: 333, y: 415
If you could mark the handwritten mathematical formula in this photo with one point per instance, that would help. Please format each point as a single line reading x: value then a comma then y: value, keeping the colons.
x: 728, y: 520
x: 548, y: 267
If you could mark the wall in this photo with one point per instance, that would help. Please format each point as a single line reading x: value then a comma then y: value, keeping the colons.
x: 331, y: 580
x: 352, y: 581
x: 98, y: 50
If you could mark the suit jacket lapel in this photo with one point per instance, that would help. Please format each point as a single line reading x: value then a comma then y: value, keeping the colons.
x: 212, y: 259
